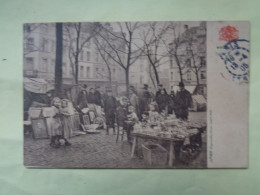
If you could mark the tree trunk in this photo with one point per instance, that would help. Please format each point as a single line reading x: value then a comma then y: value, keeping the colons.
x: 197, y: 77
x: 154, y: 69
x: 127, y: 81
x: 58, y: 63
x: 195, y: 67
x: 109, y: 77
x: 76, y: 68
x: 156, y: 75
x: 151, y: 76
x: 77, y: 54
x: 128, y: 64
x: 179, y: 66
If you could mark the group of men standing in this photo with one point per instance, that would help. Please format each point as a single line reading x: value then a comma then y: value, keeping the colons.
x: 172, y: 103
x: 85, y: 97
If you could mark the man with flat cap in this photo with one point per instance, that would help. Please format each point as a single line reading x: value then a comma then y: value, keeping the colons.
x: 183, y: 102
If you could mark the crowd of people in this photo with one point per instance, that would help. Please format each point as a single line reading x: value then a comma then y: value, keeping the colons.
x: 127, y: 112
x: 123, y: 111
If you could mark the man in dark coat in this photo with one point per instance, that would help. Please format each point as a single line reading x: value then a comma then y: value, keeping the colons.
x: 91, y: 96
x: 183, y: 102
x: 98, y: 96
x: 158, y: 92
x: 110, y: 110
x: 82, y: 98
x: 145, y: 99
x: 82, y: 102
x: 163, y: 100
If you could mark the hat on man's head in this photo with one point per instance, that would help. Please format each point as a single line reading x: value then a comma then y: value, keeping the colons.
x: 85, y: 86
x: 160, y: 85
x: 146, y: 86
x: 181, y: 84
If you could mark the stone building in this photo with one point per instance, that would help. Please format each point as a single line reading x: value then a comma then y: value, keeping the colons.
x: 39, y: 58
x: 192, y: 56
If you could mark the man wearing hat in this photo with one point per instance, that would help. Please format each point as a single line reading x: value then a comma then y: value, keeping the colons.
x: 183, y: 102
x: 82, y: 101
x: 98, y: 96
x: 82, y: 97
x: 160, y: 87
x: 110, y: 110
x: 145, y: 99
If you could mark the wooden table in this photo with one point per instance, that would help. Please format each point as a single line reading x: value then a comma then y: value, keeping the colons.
x: 145, y: 136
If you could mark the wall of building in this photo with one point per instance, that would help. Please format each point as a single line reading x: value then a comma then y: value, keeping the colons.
x: 198, y: 49
x: 39, y: 58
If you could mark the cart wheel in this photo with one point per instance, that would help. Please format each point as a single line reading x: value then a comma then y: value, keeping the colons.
x: 100, y: 121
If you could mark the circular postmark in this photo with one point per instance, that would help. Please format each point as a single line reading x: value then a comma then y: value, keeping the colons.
x: 235, y: 55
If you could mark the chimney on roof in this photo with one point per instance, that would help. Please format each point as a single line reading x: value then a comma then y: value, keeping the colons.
x: 186, y: 27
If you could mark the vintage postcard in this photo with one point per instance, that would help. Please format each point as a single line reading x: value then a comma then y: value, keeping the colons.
x: 136, y: 94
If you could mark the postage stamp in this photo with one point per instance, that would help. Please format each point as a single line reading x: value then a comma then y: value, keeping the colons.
x: 234, y: 54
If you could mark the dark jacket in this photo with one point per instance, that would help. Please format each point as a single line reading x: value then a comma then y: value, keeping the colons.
x: 121, y: 115
x: 163, y: 100
x: 98, y: 98
x: 110, y: 104
x: 82, y: 100
x: 144, y: 101
x: 183, y: 99
x: 91, y: 98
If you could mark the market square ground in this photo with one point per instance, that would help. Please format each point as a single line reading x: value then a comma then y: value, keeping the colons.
x: 97, y: 151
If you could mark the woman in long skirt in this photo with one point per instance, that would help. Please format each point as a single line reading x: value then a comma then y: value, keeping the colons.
x: 66, y: 122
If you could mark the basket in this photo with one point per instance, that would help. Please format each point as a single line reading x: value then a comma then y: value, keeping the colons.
x: 154, y: 154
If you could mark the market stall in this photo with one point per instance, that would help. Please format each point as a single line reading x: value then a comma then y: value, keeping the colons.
x: 171, y: 131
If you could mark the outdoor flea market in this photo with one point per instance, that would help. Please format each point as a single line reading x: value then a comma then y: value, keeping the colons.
x: 155, y: 129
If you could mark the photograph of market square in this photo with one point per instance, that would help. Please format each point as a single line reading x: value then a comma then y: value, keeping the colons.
x: 115, y: 95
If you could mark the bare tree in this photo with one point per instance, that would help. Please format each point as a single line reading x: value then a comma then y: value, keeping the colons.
x: 78, y: 35
x: 121, y: 46
x: 153, y: 39
x: 194, y: 47
x: 101, y: 47
x: 173, y: 49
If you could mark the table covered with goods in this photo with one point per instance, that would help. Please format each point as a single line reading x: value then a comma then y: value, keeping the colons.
x: 167, y: 130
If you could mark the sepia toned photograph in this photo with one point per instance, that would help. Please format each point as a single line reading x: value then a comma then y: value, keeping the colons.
x: 115, y: 95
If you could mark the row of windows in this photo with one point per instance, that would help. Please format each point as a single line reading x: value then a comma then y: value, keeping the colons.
x: 203, y: 75
x: 49, y: 46
x: 84, y: 72
x: 47, y: 65
x: 101, y: 72
x: 202, y: 62
x: 46, y: 45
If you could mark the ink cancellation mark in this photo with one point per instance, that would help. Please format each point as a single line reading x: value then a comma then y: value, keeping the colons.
x: 234, y: 54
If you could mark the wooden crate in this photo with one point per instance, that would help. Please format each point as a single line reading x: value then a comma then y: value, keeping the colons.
x: 39, y: 128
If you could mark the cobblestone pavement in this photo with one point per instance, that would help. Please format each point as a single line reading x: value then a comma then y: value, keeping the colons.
x: 94, y: 151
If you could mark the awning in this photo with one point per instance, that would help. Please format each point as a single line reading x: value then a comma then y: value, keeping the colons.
x: 37, y: 85
x: 199, y: 99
